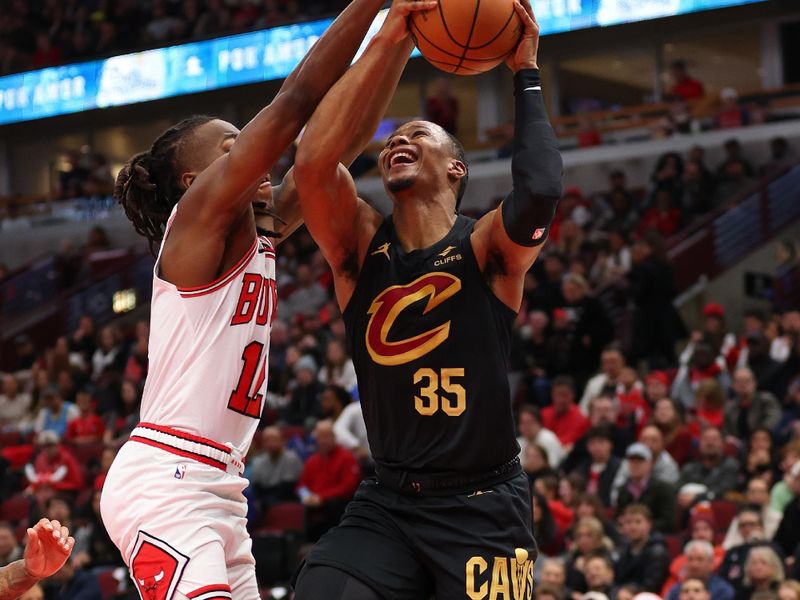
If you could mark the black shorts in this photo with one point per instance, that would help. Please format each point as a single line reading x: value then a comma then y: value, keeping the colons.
x: 476, y: 545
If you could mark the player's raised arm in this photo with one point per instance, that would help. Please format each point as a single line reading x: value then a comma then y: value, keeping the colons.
x: 342, y: 224
x: 222, y: 192
x: 214, y: 172
x: 359, y: 135
x: 508, y: 240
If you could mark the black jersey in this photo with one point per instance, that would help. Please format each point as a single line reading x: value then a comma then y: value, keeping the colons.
x: 430, y: 342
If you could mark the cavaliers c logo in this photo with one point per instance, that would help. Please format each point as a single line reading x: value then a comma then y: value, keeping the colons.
x: 436, y: 287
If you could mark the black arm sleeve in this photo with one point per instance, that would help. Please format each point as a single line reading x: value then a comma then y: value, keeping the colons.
x: 536, y: 166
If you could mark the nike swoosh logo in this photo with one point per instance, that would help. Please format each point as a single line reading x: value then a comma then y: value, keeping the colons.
x: 536, y: 88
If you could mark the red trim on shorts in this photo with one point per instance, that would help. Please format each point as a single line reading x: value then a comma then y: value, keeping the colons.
x: 185, y: 436
x: 224, y: 279
x: 219, y: 587
x: 184, y: 453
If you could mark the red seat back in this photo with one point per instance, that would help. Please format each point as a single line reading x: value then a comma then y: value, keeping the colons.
x: 15, y: 509
x: 724, y: 512
x: 289, y: 516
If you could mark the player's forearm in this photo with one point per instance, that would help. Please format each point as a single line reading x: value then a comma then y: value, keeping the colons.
x: 15, y: 580
x: 333, y: 53
x: 348, y: 116
x: 263, y: 139
x: 385, y: 85
x: 536, y: 165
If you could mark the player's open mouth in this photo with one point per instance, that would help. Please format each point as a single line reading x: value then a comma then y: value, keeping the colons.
x: 401, y: 157
x: 265, y: 183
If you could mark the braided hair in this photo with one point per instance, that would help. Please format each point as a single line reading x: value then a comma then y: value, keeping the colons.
x: 148, y: 187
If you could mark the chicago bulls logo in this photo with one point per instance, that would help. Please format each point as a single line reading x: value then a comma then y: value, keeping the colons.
x: 437, y: 288
x: 156, y: 567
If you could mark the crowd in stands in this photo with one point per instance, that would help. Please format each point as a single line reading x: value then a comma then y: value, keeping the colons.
x: 661, y: 459
x: 44, y: 33
x: 650, y: 471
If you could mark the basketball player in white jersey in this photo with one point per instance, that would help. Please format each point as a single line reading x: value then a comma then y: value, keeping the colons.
x: 172, y: 501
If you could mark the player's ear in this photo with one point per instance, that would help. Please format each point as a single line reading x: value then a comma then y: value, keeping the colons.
x: 187, y: 179
x: 456, y: 169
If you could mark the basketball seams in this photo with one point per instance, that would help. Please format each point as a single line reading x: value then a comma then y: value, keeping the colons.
x: 471, y: 32
x: 447, y: 29
x: 418, y: 34
x: 499, y: 33
x: 456, y: 57
x: 452, y: 65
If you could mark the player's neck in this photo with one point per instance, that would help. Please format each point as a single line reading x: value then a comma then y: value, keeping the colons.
x: 421, y: 225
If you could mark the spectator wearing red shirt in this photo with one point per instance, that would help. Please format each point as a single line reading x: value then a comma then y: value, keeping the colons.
x: 329, y: 480
x: 663, y: 216
x: 564, y: 418
x: 685, y: 87
x: 547, y: 487
x: 588, y: 135
x: 710, y: 400
x: 88, y: 427
x: 54, y: 466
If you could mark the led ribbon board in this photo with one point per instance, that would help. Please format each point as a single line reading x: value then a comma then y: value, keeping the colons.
x: 255, y: 57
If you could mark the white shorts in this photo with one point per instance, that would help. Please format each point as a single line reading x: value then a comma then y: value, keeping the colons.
x: 180, y: 525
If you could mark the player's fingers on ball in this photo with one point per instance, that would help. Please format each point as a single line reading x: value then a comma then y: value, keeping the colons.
x: 55, y: 525
x: 528, y: 8
x: 524, y: 15
x: 32, y: 535
x: 64, y: 533
x: 44, y: 524
x: 421, y: 5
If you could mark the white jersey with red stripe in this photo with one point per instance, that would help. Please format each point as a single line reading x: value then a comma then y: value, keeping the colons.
x: 208, y: 350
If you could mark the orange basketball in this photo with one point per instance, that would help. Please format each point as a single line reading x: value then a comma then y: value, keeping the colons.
x: 467, y: 37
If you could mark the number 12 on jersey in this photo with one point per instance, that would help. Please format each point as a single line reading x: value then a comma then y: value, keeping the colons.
x: 431, y: 399
x: 241, y: 401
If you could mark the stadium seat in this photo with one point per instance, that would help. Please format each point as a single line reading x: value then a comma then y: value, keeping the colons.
x: 289, y: 516
x: 9, y: 438
x: 87, y: 453
x: 15, y: 509
x: 674, y: 545
x: 724, y: 512
x: 18, y: 456
x: 108, y: 583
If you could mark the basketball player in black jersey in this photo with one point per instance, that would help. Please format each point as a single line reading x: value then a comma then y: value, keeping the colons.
x: 429, y: 298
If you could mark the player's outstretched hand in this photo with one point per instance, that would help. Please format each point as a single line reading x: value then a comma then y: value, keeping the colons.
x: 396, y: 24
x: 527, y: 52
x: 49, y: 546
